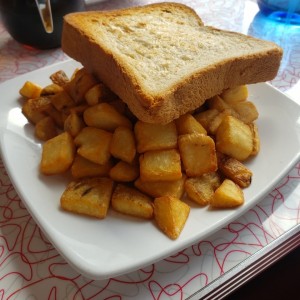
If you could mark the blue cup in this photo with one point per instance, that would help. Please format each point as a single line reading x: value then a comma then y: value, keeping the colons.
x: 287, y: 11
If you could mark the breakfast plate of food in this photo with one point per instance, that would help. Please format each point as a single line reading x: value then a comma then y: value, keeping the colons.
x: 114, y: 184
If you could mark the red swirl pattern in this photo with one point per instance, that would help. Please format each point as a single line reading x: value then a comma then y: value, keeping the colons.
x: 31, y: 267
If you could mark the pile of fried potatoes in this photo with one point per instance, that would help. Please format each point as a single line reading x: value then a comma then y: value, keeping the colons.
x: 149, y: 171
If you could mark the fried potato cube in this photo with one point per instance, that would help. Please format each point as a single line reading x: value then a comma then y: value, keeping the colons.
x: 227, y: 195
x: 256, y: 139
x: 98, y: 93
x: 234, y: 138
x: 73, y: 124
x: 205, y: 117
x: 170, y: 214
x: 105, y: 116
x: 51, y: 90
x: 123, y: 144
x: 201, y: 189
x: 59, y: 78
x: 129, y: 201
x: 79, y: 85
x: 45, y: 129
x: 246, y: 111
x: 160, y: 165
x: 174, y: 188
x: 233, y: 169
x: 124, y: 172
x: 78, y: 109
x: 30, y: 90
x: 62, y: 100
x: 36, y: 109
x: 83, y: 167
x: 155, y: 136
x: 57, y: 154
x: 88, y: 196
x: 236, y: 94
x: 57, y: 116
x: 217, y: 103
x: 217, y: 120
x: 94, y: 144
x: 188, y: 124
x: 198, y: 154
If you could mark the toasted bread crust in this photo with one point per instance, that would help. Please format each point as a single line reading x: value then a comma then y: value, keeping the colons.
x: 185, y: 94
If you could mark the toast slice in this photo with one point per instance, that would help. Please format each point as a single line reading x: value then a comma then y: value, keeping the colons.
x: 161, y: 60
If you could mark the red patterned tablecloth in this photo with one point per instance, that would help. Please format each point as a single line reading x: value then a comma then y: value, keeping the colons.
x: 31, y: 268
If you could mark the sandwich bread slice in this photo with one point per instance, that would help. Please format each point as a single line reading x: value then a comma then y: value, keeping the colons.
x: 161, y: 60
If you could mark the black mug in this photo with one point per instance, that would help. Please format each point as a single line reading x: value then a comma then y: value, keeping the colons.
x: 23, y: 21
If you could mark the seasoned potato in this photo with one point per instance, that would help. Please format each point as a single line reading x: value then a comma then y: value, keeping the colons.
x: 160, y: 165
x: 98, y: 93
x: 93, y: 144
x: 105, y: 116
x: 123, y: 144
x: 45, y: 129
x: 234, y: 138
x: 57, y: 154
x: 188, y: 124
x: 129, y: 201
x: 206, y: 116
x: 62, y: 100
x: 124, y: 172
x: 73, y: 124
x: 246, y: 111
x: 30, y: 90
x: 59, y: 78
x: 174, y: 188
x: 236, y: 94
x: 227, y: 195
x: 170, y: 214
x: 83, y: 167
x: 256, y: 139
x: 155, y: 136
x: 51, y: 90
x: 198, y: 154
x: 88, y: 196
x: 201, y: 189
x: 79, y: 85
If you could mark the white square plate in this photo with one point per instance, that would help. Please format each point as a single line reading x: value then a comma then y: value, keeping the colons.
x: 106, y: 248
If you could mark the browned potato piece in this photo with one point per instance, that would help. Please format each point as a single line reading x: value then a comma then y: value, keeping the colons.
x: 57, y: 154
x: 73, y: 124
x: 217, y: 103
x: 129, y: 201
x: 201, y: 189
x: 235, y: 170
x: 198, y: 154
x: 30, y: 90
x: 93, y: 144
x: 156, y: 189
x: 83, y: 167
x: 78, y: 109
x: 98, y: 93
x: 59, y: 78
x: 155, y: 136
x: 188, y: 124
x: 227, y: 195
x: 160, y: 165
x: 105, y: 116
x: 205, y: 117
x: 234, y: 138
x: 236, y: 94
x: 79, y: 85
x: 36, y: 109
x: 170, y: 214
x: 124, y: 172
x: 89, y: 196
x: 62, y: 101
x: 123, y: 144
x: 45, y: 129
x: 246, y: 111
x: 217, y: 120
x: 256, y: 139
x: 51, y: 90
